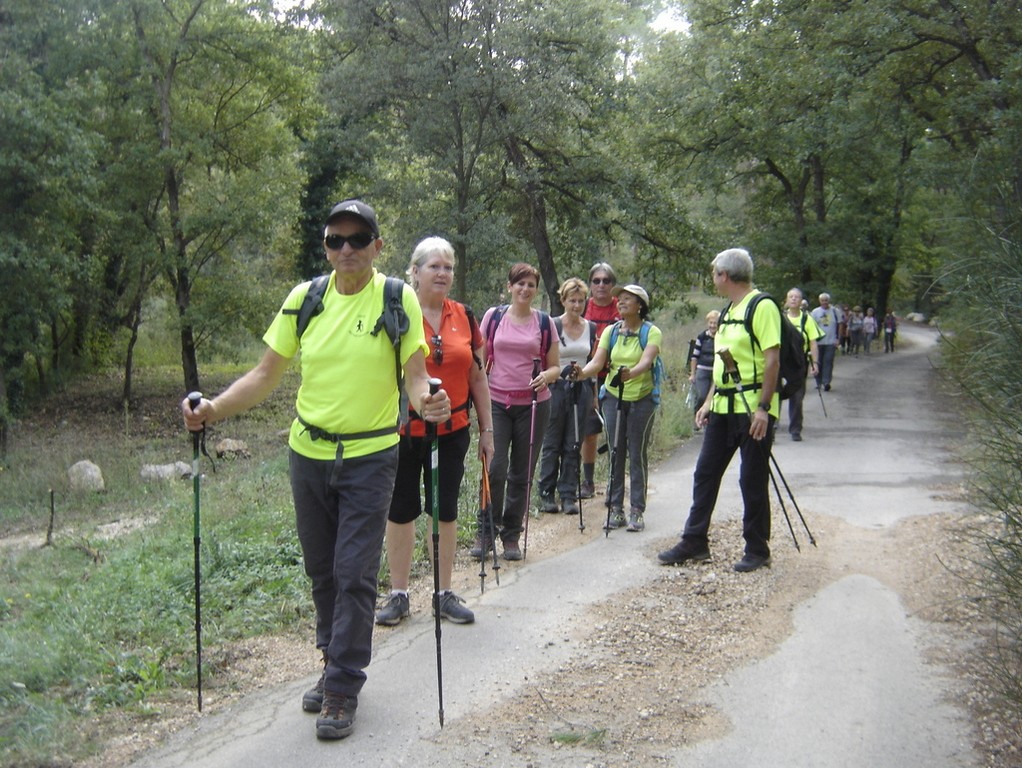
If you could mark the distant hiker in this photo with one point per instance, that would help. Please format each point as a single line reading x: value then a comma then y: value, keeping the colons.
x: 701, y: 360
x: 827, y: 317
x: 811, y: 334
x: 869, y: 329
x: 455, y: 347
x: 515, y: 335
x: 890, y: 331
x: 348, y: 406
x: 738, y: 417
x: 601, y: 308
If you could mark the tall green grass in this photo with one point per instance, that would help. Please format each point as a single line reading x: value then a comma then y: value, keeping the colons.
x: 101, y: 621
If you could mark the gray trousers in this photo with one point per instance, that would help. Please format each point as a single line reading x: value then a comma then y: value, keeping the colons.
x: 341, y: 515
x: 636, y: 429
x: 510, y: 469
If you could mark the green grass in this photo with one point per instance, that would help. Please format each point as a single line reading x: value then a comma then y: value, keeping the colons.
x: 98, y: 623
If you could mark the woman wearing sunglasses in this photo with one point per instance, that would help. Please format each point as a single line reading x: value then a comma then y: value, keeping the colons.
x: 455, y: 349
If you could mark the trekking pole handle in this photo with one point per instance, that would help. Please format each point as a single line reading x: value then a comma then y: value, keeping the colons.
x: 730, y: 366
x: 535, y: 372
x: 194, y: 398
x: 434, y: 385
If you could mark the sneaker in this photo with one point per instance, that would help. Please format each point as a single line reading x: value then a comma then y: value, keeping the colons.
x: 635, y: 522
x: 512, y: 551
x: 682, y: 552
x: 797, y: 438
x: 451, y: 608
x: 312, y: 699
x: 480, y: 547
x: 396, y: 609
x: 569, y: 506
x: 752, y: 563
x: 548, y: 504
x: 337, y: 718
x: 616, y: 520
x: 588, y: 490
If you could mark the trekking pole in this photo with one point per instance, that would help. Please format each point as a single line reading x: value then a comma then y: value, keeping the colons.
x: 194, y: 398
x: 614, y: 382
x: 486, y: 506
x: 784, y: 509
x: 532, y: 442
x: 731, y: 369
x: 578, y: 455
x: 434, y: 506
x: 820, y: 392
x: 792, y: 497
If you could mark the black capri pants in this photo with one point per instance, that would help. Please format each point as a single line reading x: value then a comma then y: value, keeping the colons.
x: 413, y: 466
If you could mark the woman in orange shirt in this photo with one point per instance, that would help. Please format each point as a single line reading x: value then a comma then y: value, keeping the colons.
x: 455, y: 349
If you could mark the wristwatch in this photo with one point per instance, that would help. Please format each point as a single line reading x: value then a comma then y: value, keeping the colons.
x: 764, y: 407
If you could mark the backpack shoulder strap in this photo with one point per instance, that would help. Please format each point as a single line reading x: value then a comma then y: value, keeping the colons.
x: 473, y: 328
x: 311, y: 305
x: 545, y: 336
x: 491, y: 331
x: 559, y: 325
x: 750, y: 312
x: 394, y: 320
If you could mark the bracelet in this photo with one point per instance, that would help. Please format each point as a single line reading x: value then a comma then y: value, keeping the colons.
x: 490, y: 429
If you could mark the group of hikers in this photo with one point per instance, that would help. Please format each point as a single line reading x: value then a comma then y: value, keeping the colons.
x: 543, y: 389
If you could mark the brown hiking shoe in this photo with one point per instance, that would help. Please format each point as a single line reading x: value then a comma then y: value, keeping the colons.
x: 337, y: 718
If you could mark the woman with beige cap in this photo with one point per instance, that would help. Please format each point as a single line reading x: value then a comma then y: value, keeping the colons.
x: 631, y: 345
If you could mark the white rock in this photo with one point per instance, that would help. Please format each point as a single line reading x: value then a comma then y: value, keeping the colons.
x: 85, y: 476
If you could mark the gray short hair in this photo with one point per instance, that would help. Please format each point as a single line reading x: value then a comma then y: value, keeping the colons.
x: 736, y: 262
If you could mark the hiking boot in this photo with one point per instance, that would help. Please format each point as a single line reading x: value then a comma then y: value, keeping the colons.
x: 752, y: 563
x: 569, y: 506
x: 337, y: 718
x: 796, y: 437
x: 588, y: 490
x: 451, y: 608
x: 512, y: 551
x: 397, y: 608
x: 480, y: 547
x: 682, y: 552
x: 548, y: 504
x: 635, y: 522
x: 616, y: 519
x: 312, y: 699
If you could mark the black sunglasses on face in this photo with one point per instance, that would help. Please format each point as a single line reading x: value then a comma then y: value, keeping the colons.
x: 438, y: 349
x: 602, y: 281
x: 358, y: 241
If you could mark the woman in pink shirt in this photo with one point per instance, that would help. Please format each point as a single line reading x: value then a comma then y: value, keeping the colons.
x: 515, y: 336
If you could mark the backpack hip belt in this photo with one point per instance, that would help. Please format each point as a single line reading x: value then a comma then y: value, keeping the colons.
x: 318, y: 433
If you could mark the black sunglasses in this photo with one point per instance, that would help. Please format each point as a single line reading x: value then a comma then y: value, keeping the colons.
x: 358, y: 241
x: 602, y: 281
x: 438, y: 349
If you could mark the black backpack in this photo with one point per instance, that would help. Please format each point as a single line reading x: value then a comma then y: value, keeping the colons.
x: 794, y: 362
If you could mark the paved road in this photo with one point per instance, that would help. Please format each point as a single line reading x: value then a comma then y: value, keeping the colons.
x: 849, y: 687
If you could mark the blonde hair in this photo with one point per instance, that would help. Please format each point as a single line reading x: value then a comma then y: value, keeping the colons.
x: 713, y: 314
x: 571, y: 285
x: 424, y: 251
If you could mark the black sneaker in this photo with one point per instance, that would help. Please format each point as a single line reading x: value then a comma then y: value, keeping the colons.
x: 337, y: 718
x: 312, y: 699
x: 569, y: 506
x: 397, y: 608
x: 481, y: 547
x: 752, y: 563
x: 512, y: 551
x: 682, y: 552
x: 451, y: 608
x: 616, y: 520
x: 548, y: 504
x: 587, y: 490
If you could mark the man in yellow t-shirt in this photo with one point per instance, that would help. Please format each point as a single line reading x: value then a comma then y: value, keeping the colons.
x: 738, y: 415
x: 343, y: 443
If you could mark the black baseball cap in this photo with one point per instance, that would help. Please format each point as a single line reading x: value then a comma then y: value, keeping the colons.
x: 359, y: 210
